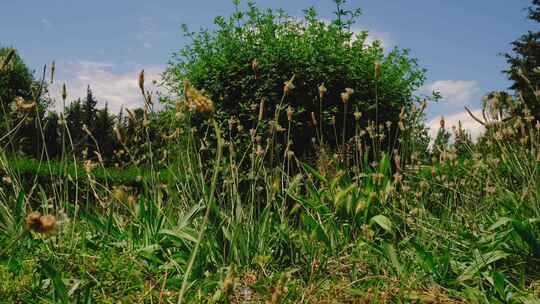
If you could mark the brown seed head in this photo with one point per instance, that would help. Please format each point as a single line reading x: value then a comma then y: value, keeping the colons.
x: 141, y: 81
x: 64, y: 92
x: 33, y: 221
x: 7, y: 60
x: 322, y: 91
x: 48, y: 223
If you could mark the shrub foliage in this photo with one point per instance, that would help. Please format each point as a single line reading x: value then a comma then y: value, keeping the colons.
x: 248, y: 57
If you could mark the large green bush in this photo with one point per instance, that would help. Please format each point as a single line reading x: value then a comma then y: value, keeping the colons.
x: 248, y: 57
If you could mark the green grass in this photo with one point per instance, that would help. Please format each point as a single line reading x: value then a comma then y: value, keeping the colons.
x: 225, y: 229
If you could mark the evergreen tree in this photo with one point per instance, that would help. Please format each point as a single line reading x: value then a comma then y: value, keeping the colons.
x: 103, y: 132
x: 74, y: 120
x: 51, y: 132
x: 89, y: 119
x: 525, y: 62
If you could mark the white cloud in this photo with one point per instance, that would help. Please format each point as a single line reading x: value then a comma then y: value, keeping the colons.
x: 454, y: 92
x: 467, y: 122
x: 46, y: 22
x: 148, y: 31
x: 116, y: 89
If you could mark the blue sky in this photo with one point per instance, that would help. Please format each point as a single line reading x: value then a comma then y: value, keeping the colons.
x: 106, y: 43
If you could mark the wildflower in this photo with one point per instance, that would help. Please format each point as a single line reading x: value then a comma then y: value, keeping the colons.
x: 398, y: 178
x: 397, y: 161
x: 322, y: 91
x: 405, y: 188
x: 23, y: 106
x: 197, y: 100
x: 290, y: 112
x: 424, y: 185
x: 89, y: 166
x: 7, y: 180
x: 250, y: 279
x: 288, y: 86
x: 345, y: 96
x: 490, y: 189
x: 377, y: 178
x: 259, y: 151
x: 361, y: 206
x: 357, y: 115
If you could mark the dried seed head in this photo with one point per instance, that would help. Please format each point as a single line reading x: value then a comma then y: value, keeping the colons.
x: 345, y: 96
x: 42, y: 224
x: 322, y: 91
x: 48, y: 223
x: 53, y: 69
x: 442, y: 122
x: 290, y: 112
x: 255, y: 67
x: 377, y: 69
x: 141, y: 81
x: 64, y: 92
x: 197, y: 101
x: 313, y: 119
x: 89, y: 166
x: 23, y: 106
x: 33, y: 221
x: 288, y: 86
x: 261, y: 109
x: 7, y: 180
x: 117, y: 133
x: 7, y: 59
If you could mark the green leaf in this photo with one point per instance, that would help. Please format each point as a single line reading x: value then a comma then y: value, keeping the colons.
x: 480, y: 263
x: 383, y: 222
x: 183, y: 234
x: 314, y: 172
x: 391, y: 254
x: 500, y: 222
x: 525, y: 232
x: 60, y: 291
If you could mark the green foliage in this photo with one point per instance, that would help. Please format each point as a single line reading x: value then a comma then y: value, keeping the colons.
x: 16, y: 80
x: 524, y: 63
x: 249, y: 57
